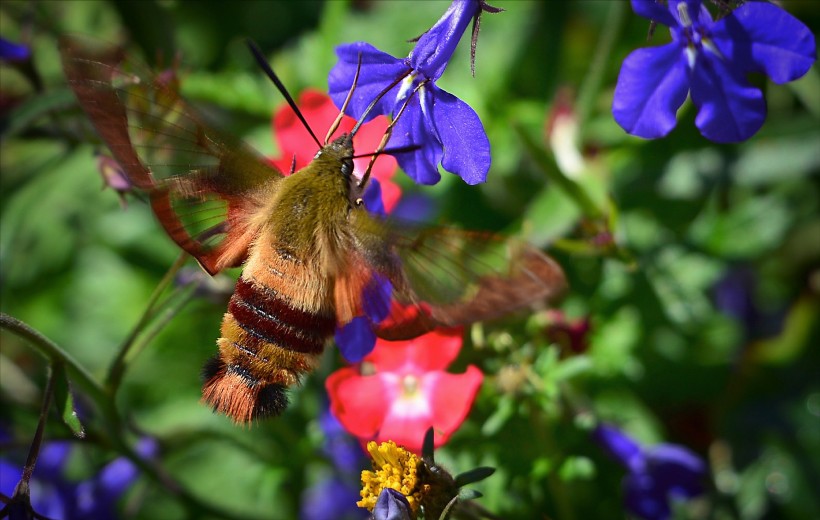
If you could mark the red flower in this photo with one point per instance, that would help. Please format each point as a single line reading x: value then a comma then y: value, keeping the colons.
x: 294, y: 141
x: 401, y: 389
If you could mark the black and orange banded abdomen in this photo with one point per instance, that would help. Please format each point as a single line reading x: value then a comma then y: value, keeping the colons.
x: 270, y: 337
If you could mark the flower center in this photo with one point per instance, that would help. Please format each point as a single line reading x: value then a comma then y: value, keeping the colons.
x: 393, y: 467
x: 407, y: 85
x: 409, y: 386
x: 695, y: 35
x: 367, y: 368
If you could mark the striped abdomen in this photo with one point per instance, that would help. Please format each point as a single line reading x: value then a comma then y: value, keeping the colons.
x: 278, y: 321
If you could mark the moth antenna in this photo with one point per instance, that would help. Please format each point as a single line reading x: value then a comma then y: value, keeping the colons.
x: 263, y: 63
x: 338, y: 121
x: 378, y: 98
x: 387, y: 133
x: 398, y: 149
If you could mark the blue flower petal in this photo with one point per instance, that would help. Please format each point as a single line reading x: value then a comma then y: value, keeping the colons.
x: 729, y: 109
x: 331, y: 499
x: 116, y: 477
x: 10, y: 51
x: 644, y: 499
x: 621, y: 446
x: 466, y: 147
x: 52, y: 458
x: 697, y: 12
x: 376, y: 298
x: 356, y: 339
x: 392, y: 505
x: 9, y: 476
x: 342, y: 449
x: 378, y: 70
x: 414, y: 129
x: 435, y: 47
x: 50, y: 499
x: 373, y: 197
x: 651, y: 86
x: 415, y: 207
x: 761, y: 37
x: 654, y: 11
x: 676, y: 470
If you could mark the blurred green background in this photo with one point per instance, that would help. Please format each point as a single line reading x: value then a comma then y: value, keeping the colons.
x: 703, y: 324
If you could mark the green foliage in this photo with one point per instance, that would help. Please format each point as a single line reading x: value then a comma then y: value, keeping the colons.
x: 646, y: 232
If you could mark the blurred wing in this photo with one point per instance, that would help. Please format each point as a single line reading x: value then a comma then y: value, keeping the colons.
x: 447, y: 277
x: 203, y: 185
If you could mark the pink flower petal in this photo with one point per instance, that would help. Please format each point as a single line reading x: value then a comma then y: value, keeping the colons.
x: 451, y: 397
x: 433, y: 351
x: 358, y: 402
x: 292, y: 137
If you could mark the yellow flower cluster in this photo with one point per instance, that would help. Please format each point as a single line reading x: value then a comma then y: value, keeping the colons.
x: 393, y: 467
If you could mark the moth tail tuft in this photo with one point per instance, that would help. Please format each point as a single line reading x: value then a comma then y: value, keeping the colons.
x: 231, y: 390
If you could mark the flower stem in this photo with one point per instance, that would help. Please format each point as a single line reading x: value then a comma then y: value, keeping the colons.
x: 574, y: 190
x: 118, y: 366
x: 34, y: 450
x: 105, y: 402
x: 556, y: 488
x: 594, y: 78
x: 55, y: 354
x: 160, y: 323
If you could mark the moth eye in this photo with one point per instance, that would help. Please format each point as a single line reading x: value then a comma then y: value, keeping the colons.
x: 346, y: 169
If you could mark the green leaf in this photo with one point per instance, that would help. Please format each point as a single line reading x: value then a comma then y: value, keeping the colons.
x: 64, y: 399
x: 474, y: 475
x: 469, y: 494
x: 505, y: 411
x: 577, y: 468
x: 27, y: 114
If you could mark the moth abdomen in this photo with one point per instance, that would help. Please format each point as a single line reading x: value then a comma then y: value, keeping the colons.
x: 234, y: 391
x: 267, y: 343
x: 266, y: 314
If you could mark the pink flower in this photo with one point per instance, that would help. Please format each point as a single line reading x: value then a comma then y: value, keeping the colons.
x: 401, y: 389
x: 294, y: 141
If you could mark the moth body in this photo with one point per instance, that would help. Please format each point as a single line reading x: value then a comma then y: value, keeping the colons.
x: 282, y: 311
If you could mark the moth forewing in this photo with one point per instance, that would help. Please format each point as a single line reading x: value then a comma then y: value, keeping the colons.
x: 447, y: 277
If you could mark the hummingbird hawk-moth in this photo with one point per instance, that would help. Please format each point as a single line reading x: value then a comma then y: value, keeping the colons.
x: 307, y: 246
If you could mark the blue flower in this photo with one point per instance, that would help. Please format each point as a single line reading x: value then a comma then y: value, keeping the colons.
x: 734, y: 296
x: 340, y: 447
x: 710, y: 60
x: 12, y: 52
x: 331, y: 499
x: 54, y: 496
x: 655, y: 476
x: 445, y: 129
x: 392, y: 505
x: 335, y: 496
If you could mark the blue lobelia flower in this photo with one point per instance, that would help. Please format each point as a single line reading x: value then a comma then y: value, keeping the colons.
x: 710, y: 59
x: 55, y: 496
x: 445, y: 129
x: 334, y: 497
x: 656, y: 475
x: 392, y: 505
x: 12, y: 52
x: 331, y: 499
